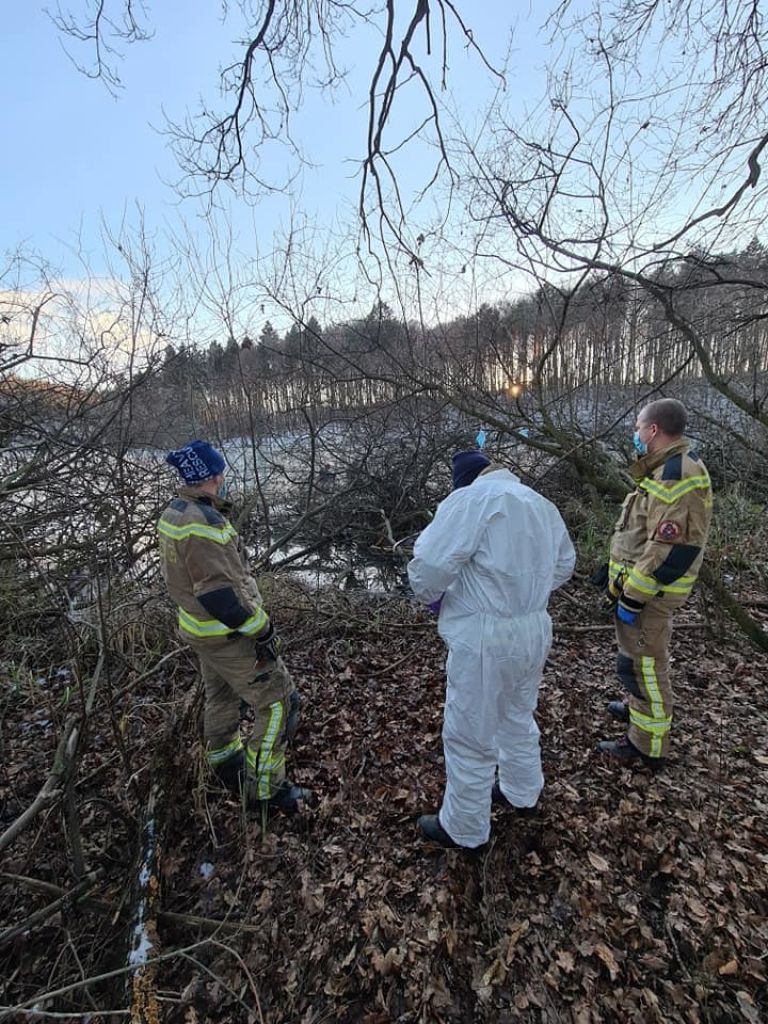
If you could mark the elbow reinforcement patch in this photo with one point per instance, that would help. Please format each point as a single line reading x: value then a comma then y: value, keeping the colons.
x: 680, y: 558
x: 223, y: 605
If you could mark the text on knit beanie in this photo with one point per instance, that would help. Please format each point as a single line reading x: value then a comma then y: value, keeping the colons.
x: 196, y: 461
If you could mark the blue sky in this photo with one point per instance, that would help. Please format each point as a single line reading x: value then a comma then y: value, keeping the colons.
x: 74, y: 154
x: 77, y: 159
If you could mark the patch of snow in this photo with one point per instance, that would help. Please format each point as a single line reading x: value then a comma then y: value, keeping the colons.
x: 141, y: 949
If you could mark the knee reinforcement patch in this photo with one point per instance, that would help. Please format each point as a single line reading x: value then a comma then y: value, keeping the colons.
x: 625, y: 669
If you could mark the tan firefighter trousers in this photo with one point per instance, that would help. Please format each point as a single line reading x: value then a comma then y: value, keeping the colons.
x: 231, y: 673
x: 643, y: 668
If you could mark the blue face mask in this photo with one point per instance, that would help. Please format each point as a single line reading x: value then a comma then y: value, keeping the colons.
x: 640, y: 446
x: 222, y: 491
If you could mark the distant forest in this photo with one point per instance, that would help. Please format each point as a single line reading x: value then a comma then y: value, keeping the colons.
x: 607, y: 333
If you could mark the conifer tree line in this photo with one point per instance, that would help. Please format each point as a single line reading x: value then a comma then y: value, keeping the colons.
x: 607, y: 333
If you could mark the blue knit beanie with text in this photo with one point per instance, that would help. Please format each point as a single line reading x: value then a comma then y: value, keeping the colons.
x: 467, y: 466
x: 196, y: 462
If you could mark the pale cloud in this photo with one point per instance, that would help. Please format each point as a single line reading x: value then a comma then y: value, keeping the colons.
x: 74, y: 329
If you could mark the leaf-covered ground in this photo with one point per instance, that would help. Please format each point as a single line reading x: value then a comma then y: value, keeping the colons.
x: 633, y: 898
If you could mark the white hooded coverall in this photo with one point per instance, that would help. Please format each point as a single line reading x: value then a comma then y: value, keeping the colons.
x: 496, y: 549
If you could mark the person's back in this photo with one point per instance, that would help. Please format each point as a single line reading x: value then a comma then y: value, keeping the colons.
x: 221, y: 617
x: 514, y: 567
x: 194, y: 533
x: 494, y: 552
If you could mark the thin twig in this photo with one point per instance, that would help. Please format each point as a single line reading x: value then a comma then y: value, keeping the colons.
x: 83, y: 1015
x: 248, y: 975
x: 216, y: 977
x: 150, y: 672
x: 96, y: 978
x: 72, y: 825
x: 165, y: 917
x: 394, y: 664
x: 52, y: 787
x: 39, y: 916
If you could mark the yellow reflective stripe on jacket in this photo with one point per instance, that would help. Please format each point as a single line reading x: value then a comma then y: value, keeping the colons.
x: 214, y: 627
x: 255, y: 624
x: 616, y: 569
x: 682, y: 585
x: 645, y: 584
x: 202, y: 627
x: 670, y: 493
x: 218, y: 534
x: 649, y: 585
x: 224, y: 753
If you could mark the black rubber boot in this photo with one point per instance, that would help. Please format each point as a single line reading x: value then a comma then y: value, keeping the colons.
x: 288, y: 798
x: 497, y: 797
x: 626, y: 751
x: 293, y: 718
x: 230, y: 773
x: 618, y: 709
x: 431, y: 829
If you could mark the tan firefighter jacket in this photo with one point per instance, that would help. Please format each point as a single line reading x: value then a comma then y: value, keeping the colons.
x: 658, y: 543
x: 205, y: 569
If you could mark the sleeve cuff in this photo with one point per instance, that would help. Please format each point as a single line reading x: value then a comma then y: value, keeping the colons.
x: 255, y: 624
x: 631, y: 603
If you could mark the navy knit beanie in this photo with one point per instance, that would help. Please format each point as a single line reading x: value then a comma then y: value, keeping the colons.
x: 196, y: 461
x: 467, y: 466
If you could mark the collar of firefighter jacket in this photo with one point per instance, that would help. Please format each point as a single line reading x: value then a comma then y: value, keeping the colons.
x: 192, y: 493
x: 646, y: 464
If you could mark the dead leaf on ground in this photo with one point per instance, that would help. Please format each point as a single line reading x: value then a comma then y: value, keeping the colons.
x: 607, y: 956
x: 598, y: 862
x: 565, y: 960
x: 748, y: 1009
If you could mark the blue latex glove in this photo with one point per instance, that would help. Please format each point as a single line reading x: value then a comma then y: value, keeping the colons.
x: 626, y: 615
x: 434, y: 607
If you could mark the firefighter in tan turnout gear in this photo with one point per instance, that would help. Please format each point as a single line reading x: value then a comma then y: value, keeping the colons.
x: 655, y: 556
x: 221, y: 617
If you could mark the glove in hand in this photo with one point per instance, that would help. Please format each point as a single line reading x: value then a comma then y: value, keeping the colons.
x: 614, y: 588
x: 268, y: 645
x: 627, y: 610
x: 434, y: 606
x: 612, y: 592
x: 599, y: 577
x: 626, y: 615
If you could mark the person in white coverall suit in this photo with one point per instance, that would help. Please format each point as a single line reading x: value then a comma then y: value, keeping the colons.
x: 494, y: 552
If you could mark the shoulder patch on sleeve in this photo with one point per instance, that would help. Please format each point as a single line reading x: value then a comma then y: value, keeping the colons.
x: 673, y: 468
x: 669, y: 531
